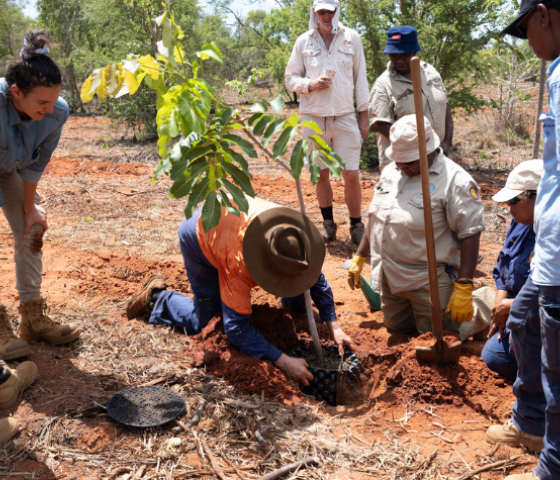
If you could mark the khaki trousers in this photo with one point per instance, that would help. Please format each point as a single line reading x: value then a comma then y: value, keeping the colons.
x: 28, y: 253
x: 408, y: 312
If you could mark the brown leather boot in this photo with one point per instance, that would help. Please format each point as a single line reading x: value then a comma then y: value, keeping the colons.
x: 8, y: 428
x: 37, y: 325
x: 11, y: 347
x: 20, y: 378
x: 141, y: 303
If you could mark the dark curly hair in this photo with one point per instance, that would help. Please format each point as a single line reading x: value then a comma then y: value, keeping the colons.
x: 32, y: 68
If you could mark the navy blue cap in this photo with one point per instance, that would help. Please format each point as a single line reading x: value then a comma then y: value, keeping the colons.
x: 526, y: 7
x: 402, y: 40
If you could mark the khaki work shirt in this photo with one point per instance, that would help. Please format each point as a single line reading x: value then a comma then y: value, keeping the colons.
x: 309, y: 60
x: 391, y: 98
x: 396, y: 223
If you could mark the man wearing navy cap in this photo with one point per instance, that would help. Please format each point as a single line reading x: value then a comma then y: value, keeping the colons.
x: 327, y: 68
x: 392, y: 98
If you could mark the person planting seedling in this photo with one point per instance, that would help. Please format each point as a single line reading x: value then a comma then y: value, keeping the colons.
x: 273, y: 247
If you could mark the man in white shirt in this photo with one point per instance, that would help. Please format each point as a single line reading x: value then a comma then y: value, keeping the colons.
x: 326, y: 68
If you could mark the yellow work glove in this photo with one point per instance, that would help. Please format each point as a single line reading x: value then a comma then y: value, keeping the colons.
x: 355, y: 271
x: 461, y: 303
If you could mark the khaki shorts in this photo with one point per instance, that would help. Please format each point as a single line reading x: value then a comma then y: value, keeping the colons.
x: 341, y: 134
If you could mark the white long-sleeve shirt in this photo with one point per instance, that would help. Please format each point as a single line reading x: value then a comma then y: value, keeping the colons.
x: 309, y: 60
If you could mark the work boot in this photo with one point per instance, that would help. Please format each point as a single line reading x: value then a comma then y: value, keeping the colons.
x: 8, y: 428
x: 509, y: 434
x: 11, y: 347
x: 20, y: 378
x: 523, y: 476
x: 141, y: 303
x: 37, y: 325
x: 357, y: 232
x: 329, y: 231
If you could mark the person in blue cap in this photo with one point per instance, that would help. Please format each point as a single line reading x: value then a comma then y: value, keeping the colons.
x: 391, y: 97
x: 539, y: 22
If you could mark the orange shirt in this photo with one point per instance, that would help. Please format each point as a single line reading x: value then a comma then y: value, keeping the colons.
x: 223, y: 247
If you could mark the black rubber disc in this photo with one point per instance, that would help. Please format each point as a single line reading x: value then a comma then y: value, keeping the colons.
x: 145, y: 406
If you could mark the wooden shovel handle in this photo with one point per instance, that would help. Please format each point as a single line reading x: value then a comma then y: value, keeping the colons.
x: 435, y: 304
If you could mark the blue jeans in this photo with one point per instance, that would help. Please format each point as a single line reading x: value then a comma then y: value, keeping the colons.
x: 549, y: 304
x: 497, y: 356
x: 524, y: 324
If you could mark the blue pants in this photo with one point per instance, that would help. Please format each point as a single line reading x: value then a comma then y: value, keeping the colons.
x: 524, y: 323
x: 174, y: 308
x: 498, y: 357
x: 549, y: 305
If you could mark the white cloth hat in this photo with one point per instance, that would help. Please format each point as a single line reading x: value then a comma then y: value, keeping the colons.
x: 324, y: 5
x: 404, y: 140
x: 526, y: 176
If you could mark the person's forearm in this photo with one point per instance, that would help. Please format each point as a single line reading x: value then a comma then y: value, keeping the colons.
x: 383, y: 128
x: 469, y: 256
x: 501, y: 295
x: 364, y: 248
x: 29, y: 190
x: 448, y: 139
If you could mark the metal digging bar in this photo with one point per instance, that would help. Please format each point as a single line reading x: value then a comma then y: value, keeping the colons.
x: 440, y: 352
x: 309, y: 308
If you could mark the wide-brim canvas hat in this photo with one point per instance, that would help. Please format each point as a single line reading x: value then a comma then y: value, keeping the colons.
x: 283, y: 251
x: 525, y: 177
x: 404, y: 140
x: 527, y: 6
x: 402, y: 39
x: 330, y: 5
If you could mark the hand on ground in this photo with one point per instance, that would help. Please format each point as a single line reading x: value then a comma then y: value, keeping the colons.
x: 341, y: 339
x: 36, y: 216
x: 295, y: 369
x: 321, y: 83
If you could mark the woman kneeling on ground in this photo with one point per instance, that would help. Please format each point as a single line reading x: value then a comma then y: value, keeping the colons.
x: 396, y: 238
x: 514, y: 262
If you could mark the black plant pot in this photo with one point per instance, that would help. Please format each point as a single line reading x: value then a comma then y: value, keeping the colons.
x: 329, y: 384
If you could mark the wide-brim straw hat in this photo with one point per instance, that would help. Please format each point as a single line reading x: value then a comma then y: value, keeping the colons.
x: 525, y: 177
x: 404, y: 140
x: 283, y: 252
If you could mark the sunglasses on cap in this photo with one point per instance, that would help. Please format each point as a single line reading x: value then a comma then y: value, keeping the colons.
x: 325, y: 12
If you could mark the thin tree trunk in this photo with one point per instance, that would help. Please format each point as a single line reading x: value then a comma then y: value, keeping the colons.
x: 542, y: 81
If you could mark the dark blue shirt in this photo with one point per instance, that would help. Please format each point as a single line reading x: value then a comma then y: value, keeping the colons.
x: 514, y: 261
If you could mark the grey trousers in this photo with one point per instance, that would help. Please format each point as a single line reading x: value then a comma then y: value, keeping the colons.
x: 28, y: 254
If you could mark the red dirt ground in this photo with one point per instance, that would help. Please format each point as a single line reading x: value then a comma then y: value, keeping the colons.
x: 467, y: 392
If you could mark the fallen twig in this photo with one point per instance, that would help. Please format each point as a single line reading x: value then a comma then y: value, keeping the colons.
x: 212, y: 459
x: 309, y: 461
x: 491, y: 466
x: 199, y: 411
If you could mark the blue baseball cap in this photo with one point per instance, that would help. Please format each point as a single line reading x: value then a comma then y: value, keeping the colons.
x: 402, y: 40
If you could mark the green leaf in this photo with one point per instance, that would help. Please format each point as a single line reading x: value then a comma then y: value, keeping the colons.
x: 293, y: 120
x: 254, y: 118
x: 229, y: 114
x: 278, y: 105
x: 240, y: 178
x: 237, y: 195
x: 210, y: 51
x: 261, y: 125
x: 211, y: 212
x: 162, y: 146
x: 298, y: 158
x: 227, y: 204
x: 197, y: 195
x: 190, y: 162
x: 259, y: 107
x: 192, y: 120
x: 238, y: 158
x: 162, y: 167
x: 315, y: 171
x: 244, y: 144
x: 320, y: 141
x: 281, y: 144
x: 313, y: 126
x: 274, y: 127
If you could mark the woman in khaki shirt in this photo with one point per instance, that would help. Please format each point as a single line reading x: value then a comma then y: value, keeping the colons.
x: 392, y: 98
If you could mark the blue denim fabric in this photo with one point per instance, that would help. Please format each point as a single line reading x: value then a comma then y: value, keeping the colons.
x: 549, y: 303
x: 497, y: 356
x: 524, y: 324
x: 27, y: 145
